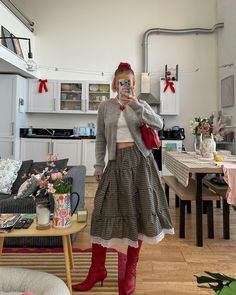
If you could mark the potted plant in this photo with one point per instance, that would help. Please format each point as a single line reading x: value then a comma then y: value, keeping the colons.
x: 221, y: 284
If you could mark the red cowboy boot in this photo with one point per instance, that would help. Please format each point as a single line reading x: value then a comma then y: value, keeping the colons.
x: 131, y: 264
x: 97, y: 271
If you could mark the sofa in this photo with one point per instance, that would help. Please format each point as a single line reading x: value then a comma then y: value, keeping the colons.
x: 10, y: 204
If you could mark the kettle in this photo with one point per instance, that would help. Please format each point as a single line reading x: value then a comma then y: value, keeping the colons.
x: 62, y: 209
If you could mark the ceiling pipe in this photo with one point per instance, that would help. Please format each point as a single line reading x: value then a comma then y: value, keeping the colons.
x: 150, y: 97
x: 19, y: 14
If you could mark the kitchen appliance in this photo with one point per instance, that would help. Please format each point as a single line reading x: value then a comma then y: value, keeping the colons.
x: 175, y: 132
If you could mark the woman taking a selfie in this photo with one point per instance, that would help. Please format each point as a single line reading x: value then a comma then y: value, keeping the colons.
x: 130, y: 205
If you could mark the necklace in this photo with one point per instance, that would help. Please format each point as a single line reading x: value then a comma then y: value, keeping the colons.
x: 122, y: 106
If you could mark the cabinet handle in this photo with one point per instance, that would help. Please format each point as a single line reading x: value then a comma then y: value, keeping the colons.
x: 49, y: 149
x: 12, y: 128
x: 52, y: 148
x: 54, y: 101
x: 12, y: 148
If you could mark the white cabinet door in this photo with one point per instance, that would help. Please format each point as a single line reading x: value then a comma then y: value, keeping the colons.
x: 7, y: 120
x: 96, y: 92
x: 88, y: 155
x: 6, y: 148
x: 13, y: 96
x: 169, y: 101
x: 71, y: 96
x: 45, y: 101
x: 70, y: 149
x: 35, y: 149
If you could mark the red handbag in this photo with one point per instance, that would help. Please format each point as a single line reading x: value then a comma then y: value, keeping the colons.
x: 150, y: 137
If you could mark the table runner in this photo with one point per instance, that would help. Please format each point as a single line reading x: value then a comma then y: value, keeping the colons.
x: 180, y: 164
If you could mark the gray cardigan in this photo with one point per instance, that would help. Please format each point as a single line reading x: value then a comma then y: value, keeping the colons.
x: 108, y: 114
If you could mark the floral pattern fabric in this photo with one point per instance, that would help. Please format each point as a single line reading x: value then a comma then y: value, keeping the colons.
x: 8, y: 174
x: 29, y: 187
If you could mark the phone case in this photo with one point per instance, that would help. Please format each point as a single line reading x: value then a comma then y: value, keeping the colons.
x: 124, y: 87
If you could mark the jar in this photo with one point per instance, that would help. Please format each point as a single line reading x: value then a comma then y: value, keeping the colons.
x: 43, y: 215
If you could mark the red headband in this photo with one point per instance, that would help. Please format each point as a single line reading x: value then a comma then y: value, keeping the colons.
x: 124, y: 65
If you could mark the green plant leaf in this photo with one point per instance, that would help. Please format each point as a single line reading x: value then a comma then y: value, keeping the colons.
x: 219, y: 276
x: 205, y: 279
x: 227, y: 290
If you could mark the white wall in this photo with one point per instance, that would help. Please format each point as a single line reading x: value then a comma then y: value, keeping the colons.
x: 97, y: 35
x: 226, y: 12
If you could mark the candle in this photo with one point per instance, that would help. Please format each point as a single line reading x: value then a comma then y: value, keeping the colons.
x: 82, y: 215
x: 43, y: 215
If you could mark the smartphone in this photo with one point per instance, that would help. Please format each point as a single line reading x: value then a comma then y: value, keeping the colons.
x: 124, y: 87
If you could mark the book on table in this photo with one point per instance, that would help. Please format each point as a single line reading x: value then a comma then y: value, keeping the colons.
x: 8, y: 220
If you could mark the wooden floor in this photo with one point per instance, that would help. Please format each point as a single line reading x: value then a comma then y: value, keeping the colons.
x: 169, y: 267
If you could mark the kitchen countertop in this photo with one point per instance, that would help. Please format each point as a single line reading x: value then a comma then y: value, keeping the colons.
x: 57, y: 134
x: 58, y: 137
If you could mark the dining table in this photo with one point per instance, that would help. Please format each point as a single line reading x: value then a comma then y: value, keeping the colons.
x: 184, y: 164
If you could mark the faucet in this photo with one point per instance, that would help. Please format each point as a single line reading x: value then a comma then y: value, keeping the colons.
x: 50, y: 131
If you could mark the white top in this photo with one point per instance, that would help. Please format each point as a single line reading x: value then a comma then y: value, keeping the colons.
x: 123, y: 133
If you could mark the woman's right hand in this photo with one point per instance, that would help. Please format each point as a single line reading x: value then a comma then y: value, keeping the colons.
x: 98, y: 177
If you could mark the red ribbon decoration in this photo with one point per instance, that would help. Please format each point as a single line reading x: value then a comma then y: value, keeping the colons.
x: 43, y: 85
x: 171, y: 84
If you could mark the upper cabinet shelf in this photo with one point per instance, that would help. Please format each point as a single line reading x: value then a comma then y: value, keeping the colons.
x: 81, y: 97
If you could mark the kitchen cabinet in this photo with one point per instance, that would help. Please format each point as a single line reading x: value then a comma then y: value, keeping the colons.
x: 71, y: 149
x: 71, y: 96
x: 42, y: 102
x: 35, y: 149
x: 67, y: 96
x: 38, y: 149
x: 169, y: 101
x: 88, y: 155
x: 13, y: 97
x: 96, y: 93
x: 6, y: 148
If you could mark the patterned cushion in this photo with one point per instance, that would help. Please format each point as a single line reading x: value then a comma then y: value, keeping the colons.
x: 28, y: 187
x: 38, y: 167
x: 8, y: 174
x: 22, y: 175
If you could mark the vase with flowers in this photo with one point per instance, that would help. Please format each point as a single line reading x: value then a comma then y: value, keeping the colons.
x: 59, y: 186
x: 206, y: 131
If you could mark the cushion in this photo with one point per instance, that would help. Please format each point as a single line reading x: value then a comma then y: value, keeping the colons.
x: 38, y: 167
x: 8, y: 174
x: 29, y: 187
x: 23, y: 174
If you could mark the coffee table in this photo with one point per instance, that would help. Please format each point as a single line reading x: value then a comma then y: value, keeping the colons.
x: 64, y: 233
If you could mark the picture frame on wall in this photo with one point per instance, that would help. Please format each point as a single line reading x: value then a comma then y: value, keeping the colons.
x: 17, y: 46
x: 9, y: 41
x: 227, y: 92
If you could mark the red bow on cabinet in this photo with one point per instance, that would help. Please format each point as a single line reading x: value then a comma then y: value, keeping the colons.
x: 43, y: 85
x: 171, y: 85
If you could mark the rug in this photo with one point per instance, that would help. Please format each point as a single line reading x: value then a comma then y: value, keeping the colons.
x: 52, y: 260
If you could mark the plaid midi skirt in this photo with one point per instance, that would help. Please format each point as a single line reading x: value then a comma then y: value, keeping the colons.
x: 130, y: 203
